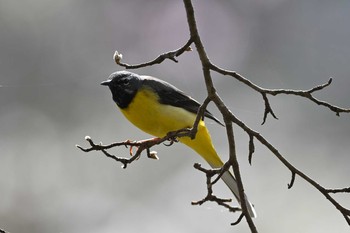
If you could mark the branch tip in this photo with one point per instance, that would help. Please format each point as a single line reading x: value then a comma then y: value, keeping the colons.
x: 153, y: 155
x: 330, y: 80
x: 290, y: 185
x: 251, y: 148
x: 238, y: 220
x: 117, y: 57
x: 171, y: 55
x: 188, y: 49
x: 268, y: 109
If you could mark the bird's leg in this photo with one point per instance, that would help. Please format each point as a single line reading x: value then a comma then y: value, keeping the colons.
x: 130, y: 149
x: 171, y: 141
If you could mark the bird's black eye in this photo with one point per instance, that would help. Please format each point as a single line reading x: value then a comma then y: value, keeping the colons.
x: 124, y: 81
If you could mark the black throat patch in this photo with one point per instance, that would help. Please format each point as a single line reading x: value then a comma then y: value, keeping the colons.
x: 123, y: 97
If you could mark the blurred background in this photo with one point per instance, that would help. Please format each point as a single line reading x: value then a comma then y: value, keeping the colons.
x: 53, y: 56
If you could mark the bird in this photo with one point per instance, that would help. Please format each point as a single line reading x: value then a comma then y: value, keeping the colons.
x: 157, y: 108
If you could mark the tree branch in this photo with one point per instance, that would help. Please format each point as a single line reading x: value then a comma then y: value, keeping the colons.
x: 213, y: 96
x: 210, y: 173
x: 141, y: 146
x: 303, y: 93
x: 345, y: 212
x: 343, y: 190
x: 169, y: 55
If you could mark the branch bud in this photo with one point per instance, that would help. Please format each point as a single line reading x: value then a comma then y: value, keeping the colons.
x: 117, y: 57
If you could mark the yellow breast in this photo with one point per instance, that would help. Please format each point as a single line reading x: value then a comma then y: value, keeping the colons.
x: 154, y: 118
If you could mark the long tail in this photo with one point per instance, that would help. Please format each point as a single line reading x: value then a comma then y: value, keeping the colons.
x: 203, y: 145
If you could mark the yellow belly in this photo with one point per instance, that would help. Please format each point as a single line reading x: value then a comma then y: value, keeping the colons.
x: 146, y: 113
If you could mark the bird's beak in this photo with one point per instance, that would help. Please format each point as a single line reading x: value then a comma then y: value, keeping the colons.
x: 106, y: 83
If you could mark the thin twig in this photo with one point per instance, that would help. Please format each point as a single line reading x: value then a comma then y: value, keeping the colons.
x: 238, y: 220
x: 290, y: 185
x: 199, y: 117
x: 251, y: 149
x: 268, y: 108
x: 210, y: 173
x: 343, y: 190
x: 303, y: 93
x: 169, y: 55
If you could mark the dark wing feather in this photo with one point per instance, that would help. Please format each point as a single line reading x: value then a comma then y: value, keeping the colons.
x: 169, y: 94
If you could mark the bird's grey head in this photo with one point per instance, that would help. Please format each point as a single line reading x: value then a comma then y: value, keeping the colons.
x: 123, y: 85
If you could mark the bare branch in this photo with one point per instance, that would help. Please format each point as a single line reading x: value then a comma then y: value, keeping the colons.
x: 268, y: 108
x: 213, y: 95
x: 199, y: 117
x: 141, y: 146
x: 308, y: 94
x: 343, y: 190
x: 169, y: 55
x: 210, y: 173
x: 303, y: 93
x: 345, y: 212
x: 238, y: 220
x: 290, y: 185
x: 251, y: 149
